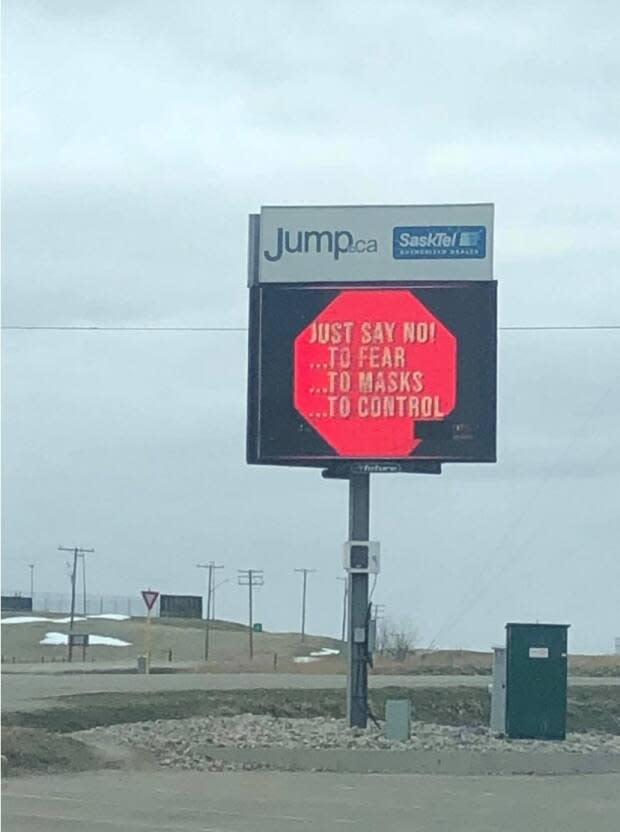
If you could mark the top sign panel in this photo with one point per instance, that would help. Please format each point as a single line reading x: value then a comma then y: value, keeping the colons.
x: 372, y: 243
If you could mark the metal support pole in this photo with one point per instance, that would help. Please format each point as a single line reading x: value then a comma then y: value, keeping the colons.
x: 357, y: 680
x: 208, y: 619
x: 303, y: 607
x: 72, y: 615
x: 31, y: 567
x: 147, y: 641
x: 251, y: 614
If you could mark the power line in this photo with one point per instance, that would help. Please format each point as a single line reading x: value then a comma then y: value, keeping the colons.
x: 497, y: 567
x: 344, y: 608
x: 515, y: 328
x: 71, y: 328
x: 559, y: 328
x: 216, y: 586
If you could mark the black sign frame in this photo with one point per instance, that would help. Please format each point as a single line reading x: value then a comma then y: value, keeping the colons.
x: 180, y: 606
x: 278, y: 435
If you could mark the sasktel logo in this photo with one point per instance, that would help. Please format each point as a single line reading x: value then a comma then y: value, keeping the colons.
x: 317, y: 242
x: 444, y: 242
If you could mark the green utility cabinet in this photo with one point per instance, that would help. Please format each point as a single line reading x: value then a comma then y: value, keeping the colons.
x: 536, y: 681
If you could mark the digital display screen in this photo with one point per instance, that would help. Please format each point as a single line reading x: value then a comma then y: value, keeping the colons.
x: 392, y: 372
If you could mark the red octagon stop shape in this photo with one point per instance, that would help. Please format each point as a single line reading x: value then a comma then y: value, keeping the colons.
x: 372, y: 364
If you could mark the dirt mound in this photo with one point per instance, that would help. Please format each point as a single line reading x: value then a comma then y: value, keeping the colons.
x: 34, y: 751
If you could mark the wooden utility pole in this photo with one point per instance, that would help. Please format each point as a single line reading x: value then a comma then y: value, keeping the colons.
x: 77, y: 551
x: 250, y: 578
x: 304, y: 572
x: 211, y: 566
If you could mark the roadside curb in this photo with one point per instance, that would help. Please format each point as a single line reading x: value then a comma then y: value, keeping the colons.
x: 466, y: 763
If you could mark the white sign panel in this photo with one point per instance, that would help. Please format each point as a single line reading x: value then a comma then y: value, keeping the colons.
x: 373, y: 243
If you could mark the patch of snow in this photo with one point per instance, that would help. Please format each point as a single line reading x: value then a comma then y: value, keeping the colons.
x: 67, y: 620
x: 60, y: 639
x: 316, y: 655
x: 55, y: 639
x: 24, y: 619
x: 37, y: 619
x: 108, y: 641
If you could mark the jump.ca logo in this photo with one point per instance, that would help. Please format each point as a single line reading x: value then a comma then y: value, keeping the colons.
x: 334, y: 243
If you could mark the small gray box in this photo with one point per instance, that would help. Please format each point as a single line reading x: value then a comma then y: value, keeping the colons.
x: 398, y: 719
x: 498, y: 692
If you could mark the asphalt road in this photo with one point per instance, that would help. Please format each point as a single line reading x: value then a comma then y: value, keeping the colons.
x: 30, y: 691
x: 280, y: 802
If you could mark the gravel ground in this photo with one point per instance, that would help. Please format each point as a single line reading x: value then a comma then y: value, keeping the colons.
x: 183, y: 743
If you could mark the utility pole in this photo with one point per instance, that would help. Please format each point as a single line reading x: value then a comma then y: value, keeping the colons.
x: 77, y: 550
x: 211, y: 566
x: 345, y: 581
x: 304, y: 572
x: 31, y: 567
x: 250, y: 578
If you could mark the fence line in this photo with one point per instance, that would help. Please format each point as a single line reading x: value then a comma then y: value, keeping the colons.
x: 59, y: 602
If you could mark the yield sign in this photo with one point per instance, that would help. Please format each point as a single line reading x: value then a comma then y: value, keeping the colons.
x: 149, y: 597
x: 371, y: 365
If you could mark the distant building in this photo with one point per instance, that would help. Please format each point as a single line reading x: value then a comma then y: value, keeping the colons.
x: 617, y: 646
x: 16, y: 603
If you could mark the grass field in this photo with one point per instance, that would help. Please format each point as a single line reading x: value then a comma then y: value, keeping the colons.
x: 181, y: 638
x: 182, y: 641
x: 36, y: 750
x: 38, y: 741
x: 589, y: 708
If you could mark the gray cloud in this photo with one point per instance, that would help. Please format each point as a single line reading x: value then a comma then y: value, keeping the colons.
x: 138, y: 137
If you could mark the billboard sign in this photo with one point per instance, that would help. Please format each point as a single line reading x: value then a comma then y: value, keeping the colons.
x: 367, y: 243
x: 180, y: 606
x: 375, y: 374
x: 16, y: 603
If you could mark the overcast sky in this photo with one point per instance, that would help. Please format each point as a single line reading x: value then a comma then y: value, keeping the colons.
x: 139, y: 134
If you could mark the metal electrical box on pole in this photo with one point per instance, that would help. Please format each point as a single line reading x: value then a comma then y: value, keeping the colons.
x: 498, y: 692
x: 536, y: 681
